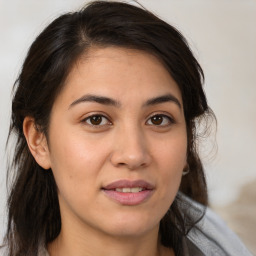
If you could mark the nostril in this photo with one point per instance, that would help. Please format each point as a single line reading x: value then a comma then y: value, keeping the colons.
x: 131, y: 156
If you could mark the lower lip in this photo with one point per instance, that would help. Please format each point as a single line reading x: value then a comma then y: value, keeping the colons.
x: 129, y: 198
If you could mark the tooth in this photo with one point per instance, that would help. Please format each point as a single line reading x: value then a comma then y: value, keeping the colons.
x: 136, y: 190
x: 129, y: 190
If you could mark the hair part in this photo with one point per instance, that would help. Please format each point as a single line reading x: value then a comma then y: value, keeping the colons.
x: 34, y: 214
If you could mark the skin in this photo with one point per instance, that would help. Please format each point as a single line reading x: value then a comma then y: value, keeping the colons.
x: 127, y: 143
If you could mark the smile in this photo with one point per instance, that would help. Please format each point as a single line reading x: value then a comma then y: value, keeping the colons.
x: 127, y: 192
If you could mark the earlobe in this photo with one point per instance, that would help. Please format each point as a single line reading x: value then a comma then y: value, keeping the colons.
x: 186, y: 170
x: 37, y: 143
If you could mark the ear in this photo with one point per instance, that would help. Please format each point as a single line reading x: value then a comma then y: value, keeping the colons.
x: 37, y: 143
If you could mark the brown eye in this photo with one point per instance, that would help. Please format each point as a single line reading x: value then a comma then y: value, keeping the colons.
x: 97, y: 120
x: 157, y: 120
x: 160, y: 120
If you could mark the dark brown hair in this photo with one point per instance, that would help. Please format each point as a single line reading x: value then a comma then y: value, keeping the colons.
x: 34, y: 214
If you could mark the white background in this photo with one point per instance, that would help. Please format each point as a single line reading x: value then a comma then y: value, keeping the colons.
x: 222, y: 34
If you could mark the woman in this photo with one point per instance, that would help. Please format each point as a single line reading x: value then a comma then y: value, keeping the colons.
x: 105, y: 112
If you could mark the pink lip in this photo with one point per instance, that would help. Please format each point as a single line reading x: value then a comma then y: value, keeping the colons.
x: 129, y: 198
x: 129, y: 184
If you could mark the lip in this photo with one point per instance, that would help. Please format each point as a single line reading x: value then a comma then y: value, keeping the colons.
x: 129, y: 184
x: 129, y: 198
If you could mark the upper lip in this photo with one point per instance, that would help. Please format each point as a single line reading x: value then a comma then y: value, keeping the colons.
x: 129, y: 184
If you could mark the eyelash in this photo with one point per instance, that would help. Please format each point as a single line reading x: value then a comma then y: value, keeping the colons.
x: 89, y: 118
x: 165, y: 118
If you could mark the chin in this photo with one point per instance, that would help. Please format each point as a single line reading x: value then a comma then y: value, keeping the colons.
x: 132, y: 225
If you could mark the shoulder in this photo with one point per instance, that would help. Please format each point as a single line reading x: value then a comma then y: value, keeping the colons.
x: 3, y: 251
x: 41, y: 252
x: 212, y: 236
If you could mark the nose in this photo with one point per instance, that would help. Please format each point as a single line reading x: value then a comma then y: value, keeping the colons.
x: 131, y: 149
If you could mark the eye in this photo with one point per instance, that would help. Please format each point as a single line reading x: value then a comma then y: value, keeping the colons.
x: 160, y: 120
x: 97, y: 120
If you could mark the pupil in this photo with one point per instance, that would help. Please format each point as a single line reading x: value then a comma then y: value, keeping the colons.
x: 95, y: 120
x: 157, y: 120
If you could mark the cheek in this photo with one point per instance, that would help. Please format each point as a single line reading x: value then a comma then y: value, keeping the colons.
x: 172, y: 158
x: 75, y: 161
x: 74, y: 150
x: 172, y: 153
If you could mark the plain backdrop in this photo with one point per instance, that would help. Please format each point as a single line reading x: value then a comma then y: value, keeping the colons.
x: 222, y: 34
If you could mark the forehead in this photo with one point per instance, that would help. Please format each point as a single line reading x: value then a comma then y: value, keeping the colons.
x: 117, y: 72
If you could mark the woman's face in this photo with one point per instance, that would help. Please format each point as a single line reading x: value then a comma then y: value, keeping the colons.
x: 117, y: 142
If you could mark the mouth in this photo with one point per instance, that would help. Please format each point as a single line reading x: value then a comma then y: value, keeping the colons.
x: 127, y: 192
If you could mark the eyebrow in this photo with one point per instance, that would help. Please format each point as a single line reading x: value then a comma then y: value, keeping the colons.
x: 111, y: 102
x: 163, y: 99
x: 98, y: 99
